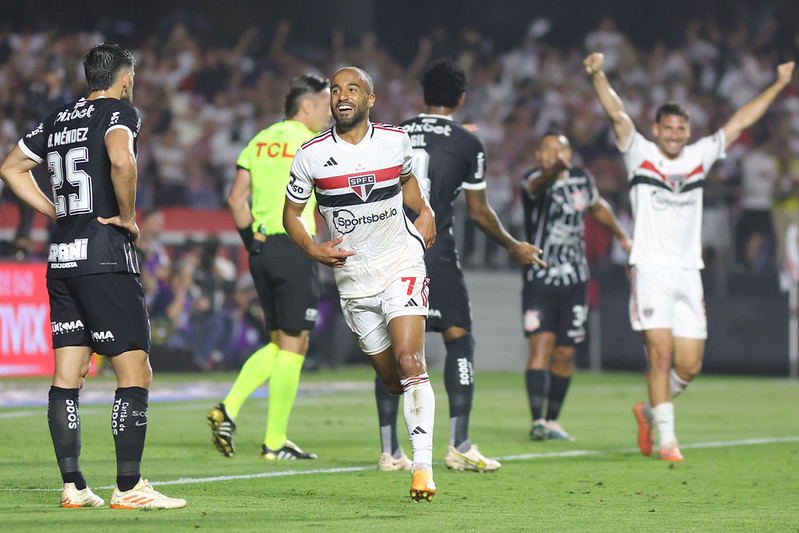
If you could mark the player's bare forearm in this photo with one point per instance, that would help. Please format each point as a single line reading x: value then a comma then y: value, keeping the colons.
x: 16, y: 172
x: 119, y: 144
x: 238, y: 199
x: 486, y: 219
x: 604, y: 214
x: 752, y: 111
x: 413, y: 198
x: 611, y: 102
x: 412, y: 194
x: 326, y: 253
x: 295, y: 226
x: 124, y: 179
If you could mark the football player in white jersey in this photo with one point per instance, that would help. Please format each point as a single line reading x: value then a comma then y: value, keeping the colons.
x: 667, y: 300
x: 361, y: 173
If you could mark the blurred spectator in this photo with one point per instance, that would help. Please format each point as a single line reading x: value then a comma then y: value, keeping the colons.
x: 786, y: 201
x: 155, y: 262
x: 249, y: 331
x: 754, y: 233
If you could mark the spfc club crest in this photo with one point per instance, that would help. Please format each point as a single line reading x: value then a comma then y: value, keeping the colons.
x: 363, y: 185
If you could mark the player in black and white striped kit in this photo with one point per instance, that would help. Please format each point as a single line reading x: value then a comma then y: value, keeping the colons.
x: 447, y: 158
x: 556, y: 198
x: 96, y: 299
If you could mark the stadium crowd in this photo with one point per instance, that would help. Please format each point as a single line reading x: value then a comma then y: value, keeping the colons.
x: 201, y: 101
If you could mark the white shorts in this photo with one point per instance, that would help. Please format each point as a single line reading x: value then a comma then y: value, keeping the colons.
x: 670, y: 298
x: 368, y: 317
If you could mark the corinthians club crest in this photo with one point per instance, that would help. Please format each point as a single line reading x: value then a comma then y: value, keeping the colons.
x: 363, y: 185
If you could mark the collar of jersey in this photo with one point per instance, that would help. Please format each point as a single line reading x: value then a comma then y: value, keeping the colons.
x: 347, y: 146
x: 432, y: 115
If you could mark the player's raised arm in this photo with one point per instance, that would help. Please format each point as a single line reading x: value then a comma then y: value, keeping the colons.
x: 751, y: 112
x: 413, y: 198
x: 611, y: 102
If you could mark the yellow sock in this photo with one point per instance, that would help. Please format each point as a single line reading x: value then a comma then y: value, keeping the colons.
x: 256, y: 370
x: 282, y: 392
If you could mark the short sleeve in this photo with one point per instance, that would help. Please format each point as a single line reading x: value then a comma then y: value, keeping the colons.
x: 300, y: 186
x: 33, y: 144
x: 475, y: 176
x: 712, y: 148
x: 125, y: 116
x: 244, y: 157
x: 407, y: 155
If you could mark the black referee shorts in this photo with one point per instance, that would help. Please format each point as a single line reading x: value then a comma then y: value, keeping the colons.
x: 105, y: 311
x: 562, y: 311
x: 449, y: 299
x: 287, y: 283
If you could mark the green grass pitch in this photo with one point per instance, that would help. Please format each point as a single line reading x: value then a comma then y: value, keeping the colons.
x: 739, y: 435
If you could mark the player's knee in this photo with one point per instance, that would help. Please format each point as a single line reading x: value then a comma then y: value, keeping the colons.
x: 562, y: 357
x: 410, y: 364
x: 688, y: 372
x: 394, y: 387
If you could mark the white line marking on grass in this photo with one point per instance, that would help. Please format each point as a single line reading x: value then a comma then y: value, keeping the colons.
x: 571, y: 453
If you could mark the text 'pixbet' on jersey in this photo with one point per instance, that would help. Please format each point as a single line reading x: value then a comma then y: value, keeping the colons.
x: 428, y: 127
x: 67, y: 115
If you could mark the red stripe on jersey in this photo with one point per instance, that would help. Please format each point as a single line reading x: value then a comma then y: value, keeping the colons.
x: 318, y: 138
x: 341, y: 182
x: 694, y: 172
x: 649, y: 166
x: 387, y: 127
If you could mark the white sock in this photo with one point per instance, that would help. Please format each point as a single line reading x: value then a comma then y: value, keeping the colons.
x: 419, y: 405
x: 664, y: 420
x: 676, y: 383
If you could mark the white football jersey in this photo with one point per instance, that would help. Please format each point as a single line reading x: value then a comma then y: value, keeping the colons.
x: 359, y: 194
x: 666, y: 199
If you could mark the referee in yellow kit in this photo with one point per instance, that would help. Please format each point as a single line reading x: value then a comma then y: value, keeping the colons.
x: 284, y: 275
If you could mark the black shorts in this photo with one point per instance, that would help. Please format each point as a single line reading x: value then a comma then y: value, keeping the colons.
x: 449, y: 299
x: 562, y: 311
x: 106, y: 312
x: 287, y: 283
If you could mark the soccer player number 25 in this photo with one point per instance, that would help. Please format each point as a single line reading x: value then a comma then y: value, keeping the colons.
x: 81, y: 201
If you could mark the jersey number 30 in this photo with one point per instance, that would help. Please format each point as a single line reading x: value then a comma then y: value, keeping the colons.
x: 80, y: 201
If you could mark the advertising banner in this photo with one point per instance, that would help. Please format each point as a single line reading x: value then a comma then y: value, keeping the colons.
x: 25, y: 334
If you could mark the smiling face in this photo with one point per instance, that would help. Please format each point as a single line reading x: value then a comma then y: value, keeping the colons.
x: 350, y: 98
x: 671, y: 134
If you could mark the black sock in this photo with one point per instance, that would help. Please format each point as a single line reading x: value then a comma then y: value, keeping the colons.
x: 64, y: 422
x: 129, y: 426
x: 558, y: 388
x: 537, y: 388
x: 459, y: 382
x: 387, y: 409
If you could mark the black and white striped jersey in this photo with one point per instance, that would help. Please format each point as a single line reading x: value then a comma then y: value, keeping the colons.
x: 554, y: 221
x: 72, y: 142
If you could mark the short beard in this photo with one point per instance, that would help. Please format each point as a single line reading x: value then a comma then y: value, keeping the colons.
x: 345, y: 125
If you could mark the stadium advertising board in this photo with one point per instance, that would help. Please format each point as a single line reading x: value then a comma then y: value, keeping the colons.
x: 25, y: 330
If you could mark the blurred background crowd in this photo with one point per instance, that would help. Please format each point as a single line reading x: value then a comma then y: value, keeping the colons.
x: 208, y: 78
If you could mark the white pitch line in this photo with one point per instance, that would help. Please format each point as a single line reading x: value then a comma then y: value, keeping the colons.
x: 572, y: 453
